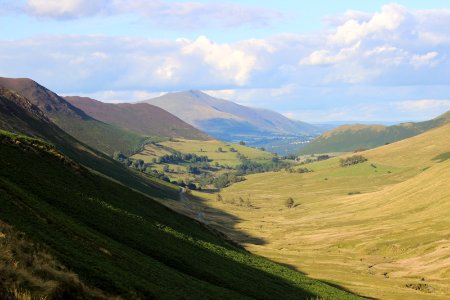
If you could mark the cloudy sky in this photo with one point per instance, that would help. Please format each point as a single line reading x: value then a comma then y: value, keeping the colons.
x: 311, y: 60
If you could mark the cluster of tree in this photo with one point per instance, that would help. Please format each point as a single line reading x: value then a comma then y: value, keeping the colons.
x: 323, y: 157
x: 352, y: 160
x: 187, y: 185
x: 177, y: 158
x: 226, y: 179
x: 248, y: 166
x: 198, y: 168
x: 299, y: 170
x: 137, y: 164
x: 290, y: 156
x: 314, y: 159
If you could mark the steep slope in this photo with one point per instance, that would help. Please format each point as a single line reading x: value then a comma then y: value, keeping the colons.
x: 101, y: 136
x: 142, y: 118
x: 227, y: 120
x: 19, y: 115
x: 122, y: 242
x: 351, y: 137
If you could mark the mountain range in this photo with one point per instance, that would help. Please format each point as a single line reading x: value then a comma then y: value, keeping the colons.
x: 233, y: 122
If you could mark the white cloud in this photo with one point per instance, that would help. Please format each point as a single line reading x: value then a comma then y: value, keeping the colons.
x: 226, y: 61
x: 386, y: 21
x: 424, y: 104
x: 324, y: 57
x: 62, y: 9
x: 182, y: 15
x: 427, y: 59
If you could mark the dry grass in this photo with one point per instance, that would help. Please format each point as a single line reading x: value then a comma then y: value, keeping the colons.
x: 29, y: 272
x: 394, y: 235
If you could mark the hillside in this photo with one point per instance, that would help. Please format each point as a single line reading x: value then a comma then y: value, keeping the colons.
x: 122, y: 242
x: 226, y: 120
x: 378, y: 228
x: 142, y: 118
x: 347, y: 138
x: 101, y: 136
x: 19, y: 115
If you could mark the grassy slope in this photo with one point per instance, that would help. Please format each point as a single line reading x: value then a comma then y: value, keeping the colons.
x: 101, y: 136
x: 350, y: 137
x: 209, y: 148
x: 123, y: 242
x: 375, y: 243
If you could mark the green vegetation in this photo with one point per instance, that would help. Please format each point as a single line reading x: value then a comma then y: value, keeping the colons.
x: 122, y: 242
x: 348, y: 138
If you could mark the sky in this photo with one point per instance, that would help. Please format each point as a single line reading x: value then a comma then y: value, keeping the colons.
x: 315, y: 61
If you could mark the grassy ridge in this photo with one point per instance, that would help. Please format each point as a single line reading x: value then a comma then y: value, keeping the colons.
x: 123, y: 242
x: 351, y: 137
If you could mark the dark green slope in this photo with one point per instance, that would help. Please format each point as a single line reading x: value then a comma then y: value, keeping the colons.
x: 101, y: 136
x: 352, y: 137
x: 126, y: 244
x: 18, y: 114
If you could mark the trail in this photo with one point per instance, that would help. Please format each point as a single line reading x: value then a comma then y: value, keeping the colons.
x: 200, y: 216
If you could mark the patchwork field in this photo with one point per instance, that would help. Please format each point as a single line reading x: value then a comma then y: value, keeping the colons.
x: 210, y: 149
x: 379, y: 228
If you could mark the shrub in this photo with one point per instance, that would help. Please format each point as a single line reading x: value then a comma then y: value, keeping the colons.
x: 289, y: 202
x: 352, y: 160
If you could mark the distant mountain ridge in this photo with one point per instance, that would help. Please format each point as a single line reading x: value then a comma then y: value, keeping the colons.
x: 142, y: 118
x: 363, y: 136
x: 227, y: 120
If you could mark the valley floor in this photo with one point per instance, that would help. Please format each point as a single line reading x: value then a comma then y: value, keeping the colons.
x: 379, y: 228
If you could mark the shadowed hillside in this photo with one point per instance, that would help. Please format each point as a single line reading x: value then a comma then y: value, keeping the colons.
x: 18, y: 114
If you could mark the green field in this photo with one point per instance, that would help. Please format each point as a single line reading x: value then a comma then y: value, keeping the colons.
x: 202, y: 148
x: 379, y: 228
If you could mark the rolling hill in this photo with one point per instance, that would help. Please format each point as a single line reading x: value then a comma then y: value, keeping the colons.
x: 142, y: 118
x: 379, y: 228
x: 57, y: 215
x: 229, y: 121
x: 347, y: 138
x: 99, y: 135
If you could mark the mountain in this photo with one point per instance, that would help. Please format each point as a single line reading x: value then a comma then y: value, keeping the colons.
x: 99, y: 135
x: 142, y: 118
x: 362, y: 136
x: 229, y: 121
x: 58, y: 215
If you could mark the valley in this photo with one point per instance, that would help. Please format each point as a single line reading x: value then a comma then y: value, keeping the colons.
x: 378, y: 228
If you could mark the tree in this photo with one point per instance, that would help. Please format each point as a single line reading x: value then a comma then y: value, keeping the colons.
x: 289, y: 202
x: 219, y: 149
x: 242, y: 143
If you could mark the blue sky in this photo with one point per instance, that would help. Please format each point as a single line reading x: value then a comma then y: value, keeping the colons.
x: 311, y: 60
